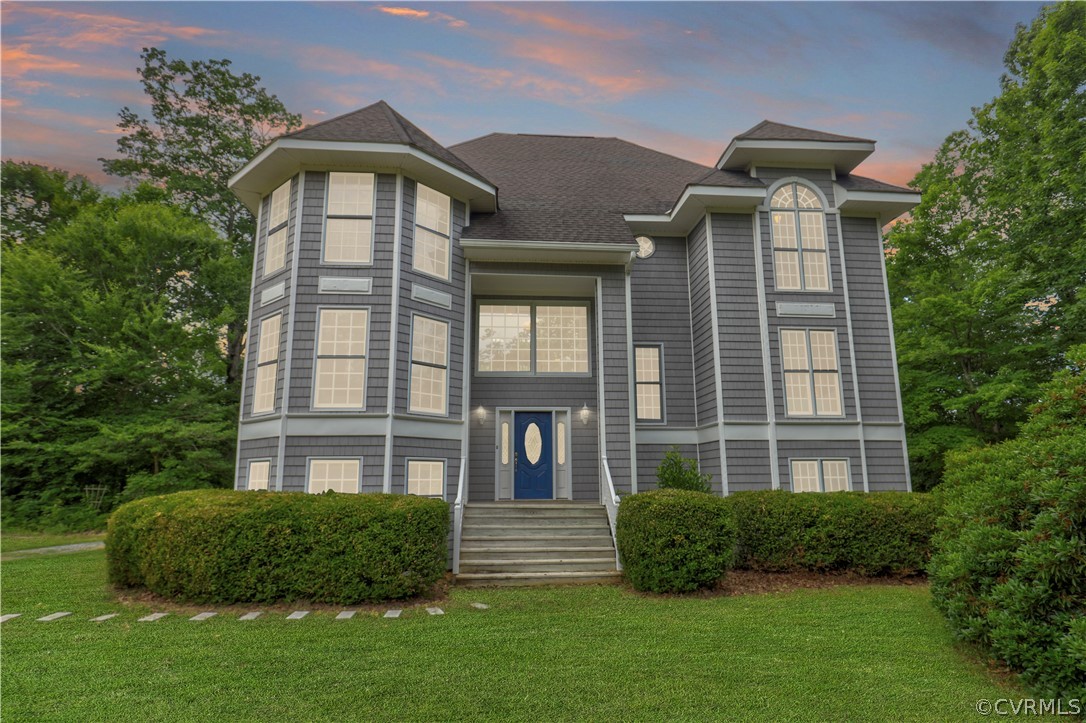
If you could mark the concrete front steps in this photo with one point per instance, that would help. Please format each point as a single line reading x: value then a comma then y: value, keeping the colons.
x: 535, y: 543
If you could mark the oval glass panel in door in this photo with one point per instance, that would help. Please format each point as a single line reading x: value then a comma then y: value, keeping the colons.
x: 533, y: 443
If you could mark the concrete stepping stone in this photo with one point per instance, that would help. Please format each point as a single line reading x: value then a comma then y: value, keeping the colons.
x: 152, y: 617
x: 435, y: 611
x: 251, y: 616
x: 346, y: 615
x: 9, y: 616
x: 393, y: 613
x: 480, y: 606
x: 202, y: 616
x: 297, y: 615
x: 51, y: 618
x: 103, y: 618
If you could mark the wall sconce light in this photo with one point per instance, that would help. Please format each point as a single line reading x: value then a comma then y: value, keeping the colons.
x: 585, y: 414
x: 480, y: 414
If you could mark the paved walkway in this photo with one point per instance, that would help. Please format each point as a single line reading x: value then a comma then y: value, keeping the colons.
x: 56, y: 549
x: 200, y: 617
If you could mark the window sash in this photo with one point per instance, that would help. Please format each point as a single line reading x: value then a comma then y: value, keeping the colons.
x: 800, y: 253
x: 350, y: 194
x: 258, y: 475
x: 426, y: 477
x: 431, y: 253
x: 279, y: 210
x: 820, y: 475
x: 543, y: 338
x: 812, y: 375
x: 339, y: 375
x: 267, y: 369
x: 429, y: 387
x: 338, y: 474
x: 275, y: 251
x: 649, y: 384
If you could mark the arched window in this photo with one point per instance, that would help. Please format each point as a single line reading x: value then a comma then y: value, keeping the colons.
x: 799, y: 239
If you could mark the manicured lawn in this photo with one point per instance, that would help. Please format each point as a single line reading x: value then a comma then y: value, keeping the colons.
x: 848, y: 653
x: 15, y: 541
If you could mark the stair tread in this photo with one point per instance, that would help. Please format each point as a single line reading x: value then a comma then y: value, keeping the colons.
x: 542, y: 561
x: 528, y: 575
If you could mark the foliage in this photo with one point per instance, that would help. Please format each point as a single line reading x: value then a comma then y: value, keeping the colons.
x: 232, y: 546
x: 987, y: 277
x: 887, y: 533
x: 112, y: 367
x: 676, y: 473
x: 1009, y: 571
x: 674, y: 540
x: 206, y: 123
x: 35, y: 198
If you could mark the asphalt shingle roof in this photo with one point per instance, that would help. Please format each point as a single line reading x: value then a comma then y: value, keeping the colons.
x: 577, y: 188
x: 380, y: 123
x: 852, y: 182
x: 769, y: 131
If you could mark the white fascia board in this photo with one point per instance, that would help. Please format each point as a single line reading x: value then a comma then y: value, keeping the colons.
x: 843, y: 155
x: 547, y: 251
x: 886, y: 205
x: 286, y: 156
x: 691, y: 207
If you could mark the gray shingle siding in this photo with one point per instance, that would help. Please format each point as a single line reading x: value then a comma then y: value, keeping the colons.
x: 743, y: 378
x: 709, y: 463
x: 310, y: 300
x: 870, y: 320
x: 299, y: 449
x: 787, y: 450
x: 702, y: 325
x: 660, y: 297
x: 748, y: 465
x: 885, y: 466
x: 409, y: 307
x: 256, y: 449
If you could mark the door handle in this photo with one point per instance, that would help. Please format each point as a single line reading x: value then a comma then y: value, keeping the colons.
x: 516, y: 460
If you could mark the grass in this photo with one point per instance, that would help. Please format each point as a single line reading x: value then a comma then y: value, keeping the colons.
x: 15, y: 541
x: 848, y: 653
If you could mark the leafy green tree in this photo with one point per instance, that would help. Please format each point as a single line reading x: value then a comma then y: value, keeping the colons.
x: 206, y: 122
x: 112, y: 362
x: 986, y: 278
x: 678, y: 473
x: 34, y: 197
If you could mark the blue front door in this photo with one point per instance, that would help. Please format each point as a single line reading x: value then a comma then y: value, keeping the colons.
x: 533, y: 473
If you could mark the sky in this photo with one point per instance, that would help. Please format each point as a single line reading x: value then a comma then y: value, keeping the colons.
x: 683, y: 78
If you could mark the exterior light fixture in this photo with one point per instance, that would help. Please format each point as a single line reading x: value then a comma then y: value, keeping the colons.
x: 585, y: 414
x: 481, y: 414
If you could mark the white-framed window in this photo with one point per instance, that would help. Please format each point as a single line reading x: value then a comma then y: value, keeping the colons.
x: 812, y: 377
x: 340, y: 374
x: 259, y: 474
x: 524, y: 338
x: 429, y: 366
x: 800, y: 258
x: 433, y: 215
x: 649, y: 378
x: 267, y: 365
x: 426, y: 477
x: 275, y: 248
x: 348, y: 222
x: 820, y: 475
x: 339, y: 474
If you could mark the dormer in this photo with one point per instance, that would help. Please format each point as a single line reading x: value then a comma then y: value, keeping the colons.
x: 777, y: 144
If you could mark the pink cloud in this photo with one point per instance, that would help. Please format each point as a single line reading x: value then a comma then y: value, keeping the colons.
x: 596, y: 66
x: 335, y: 61
x: 583, y: 28
x: 405, y: 12
x: 19, y: 60
x: 75, y: 30
x: 529, y: 84
x: 897, y: 170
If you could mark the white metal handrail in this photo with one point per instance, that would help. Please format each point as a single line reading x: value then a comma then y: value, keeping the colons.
x: 458, y: 515
x: 611, y: 502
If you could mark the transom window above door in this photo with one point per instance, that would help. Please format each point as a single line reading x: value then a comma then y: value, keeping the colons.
x: 527, y: 338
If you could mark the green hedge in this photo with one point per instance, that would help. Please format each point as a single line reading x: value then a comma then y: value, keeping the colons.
x: 225, y: 546
x: 869, y: 534
x: 674, y: 540
x: 1009, y: 572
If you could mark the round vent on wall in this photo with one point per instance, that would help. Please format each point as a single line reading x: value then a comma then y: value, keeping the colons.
x: 645, y: 247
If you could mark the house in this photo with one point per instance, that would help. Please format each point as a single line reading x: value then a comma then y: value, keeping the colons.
x: 532, y: 317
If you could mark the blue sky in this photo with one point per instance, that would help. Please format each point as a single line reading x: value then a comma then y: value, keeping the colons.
x: 679, y: 77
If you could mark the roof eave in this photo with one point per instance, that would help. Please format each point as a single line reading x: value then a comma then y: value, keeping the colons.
x: 476, y: 249
x: 843, y: 156
x: 692, y: 206
x: 883, y: 205
x: 286, y: 156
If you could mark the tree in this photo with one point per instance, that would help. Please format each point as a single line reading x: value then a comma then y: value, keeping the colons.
x: 986, y: 278
x: 112, y: 365
x: 206, y: 122
x: 35, y: 197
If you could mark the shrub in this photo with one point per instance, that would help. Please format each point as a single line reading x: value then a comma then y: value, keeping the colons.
x: 226, y: 546
x: 870, y: 534
x: 1009, y: 571
x: 676, y: 473
x: 674, y: 540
